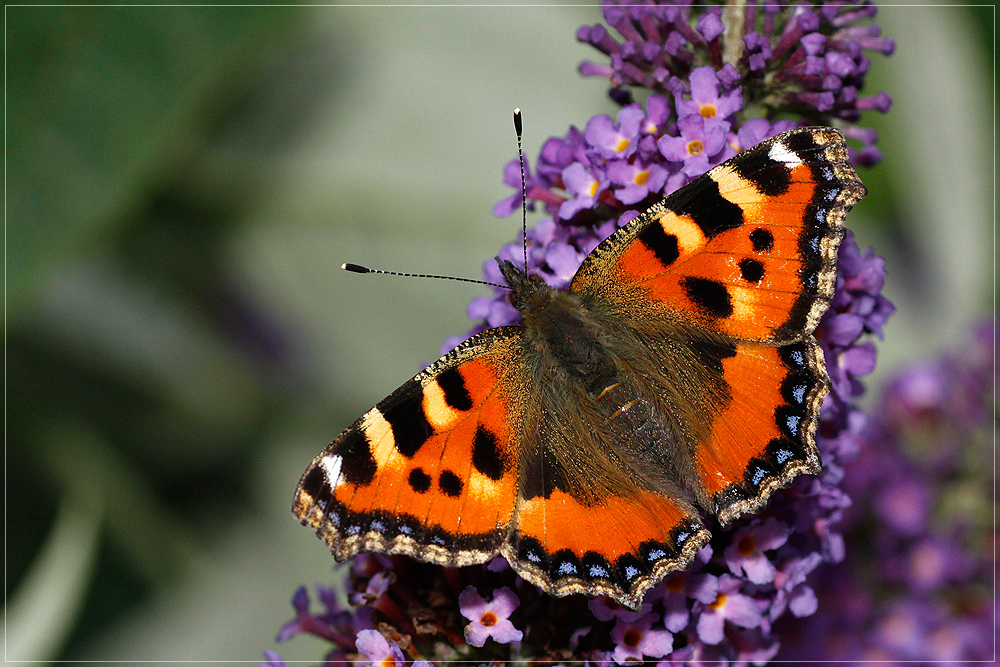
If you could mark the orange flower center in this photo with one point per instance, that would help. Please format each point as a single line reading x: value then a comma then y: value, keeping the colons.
x: 641, y: 177
x: 719, y: 601
x: 622, y: 145
x: 675, y: 585
x: 489, y: 619
x: 708, y: 111
x: 632, y: 637
x: 593, y: 189
x: 695, y: 147
x: 747, y: 545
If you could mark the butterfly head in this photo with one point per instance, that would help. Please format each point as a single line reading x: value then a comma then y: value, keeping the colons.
x: 527, y: 292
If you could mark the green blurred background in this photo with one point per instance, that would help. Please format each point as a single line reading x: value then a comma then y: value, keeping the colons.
x: 182, y: 184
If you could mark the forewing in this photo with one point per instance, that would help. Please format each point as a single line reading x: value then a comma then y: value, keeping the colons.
x: 431, y: 471
x: 748, y: 250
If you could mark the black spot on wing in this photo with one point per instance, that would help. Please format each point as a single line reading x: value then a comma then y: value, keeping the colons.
x: 530, y: 550
x: 709, y: 296
x: 629, y: 567
x: 359, y: 465
x: 800, y: 143
x: 682, y: 533
x: 758, y: 470
x: 596, y: 567
x: 653, y: 551
x: 663, y: 245
x: 405, y: 414
x: 450, y: 483
x: 710, y: 353
x: 762, y: 239
x: 769, y: 177
x: 486, y: 455
x: 456, y: 394
x: 419, y: 480
x: 780, y: 451
x: 564, y: 563
x: 795, y: 388
x: 751, y: 270
x: 316, y: 486
x: 704, y: 204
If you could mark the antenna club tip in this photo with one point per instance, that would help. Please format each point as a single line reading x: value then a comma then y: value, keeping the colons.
x: 517, y: 121
x: 347, y: 266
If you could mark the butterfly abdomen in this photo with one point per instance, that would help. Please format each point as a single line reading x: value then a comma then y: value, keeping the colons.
x: 608, y: 410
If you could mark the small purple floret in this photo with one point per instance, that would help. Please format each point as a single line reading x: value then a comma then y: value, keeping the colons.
x: 635, y: 640
x: 378, y: 650
x: 489, y: 620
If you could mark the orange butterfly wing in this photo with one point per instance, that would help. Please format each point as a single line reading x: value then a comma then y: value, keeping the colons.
x: 432, y: 470
x: 746, y: 256
x: 749, y: 249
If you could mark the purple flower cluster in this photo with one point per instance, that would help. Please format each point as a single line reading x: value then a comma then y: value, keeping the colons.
x: 916, y: 582
x: 793, y: 59
x: 755, y: 571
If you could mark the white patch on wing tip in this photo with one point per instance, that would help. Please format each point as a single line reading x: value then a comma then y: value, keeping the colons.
x: 780, y: 153
x: 332, y: 464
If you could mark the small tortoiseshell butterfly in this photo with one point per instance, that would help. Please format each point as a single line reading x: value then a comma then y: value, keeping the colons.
x: 675, y: 379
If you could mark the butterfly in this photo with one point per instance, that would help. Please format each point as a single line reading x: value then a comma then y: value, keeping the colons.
x: 675, y: 380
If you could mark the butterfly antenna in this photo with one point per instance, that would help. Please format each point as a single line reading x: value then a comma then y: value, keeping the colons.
x: 357, y: 268
x: 524, y: 190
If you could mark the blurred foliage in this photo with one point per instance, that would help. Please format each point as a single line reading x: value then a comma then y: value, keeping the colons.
x: 161, y: 323
x: 99, y: 103
x: 135, y: 375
